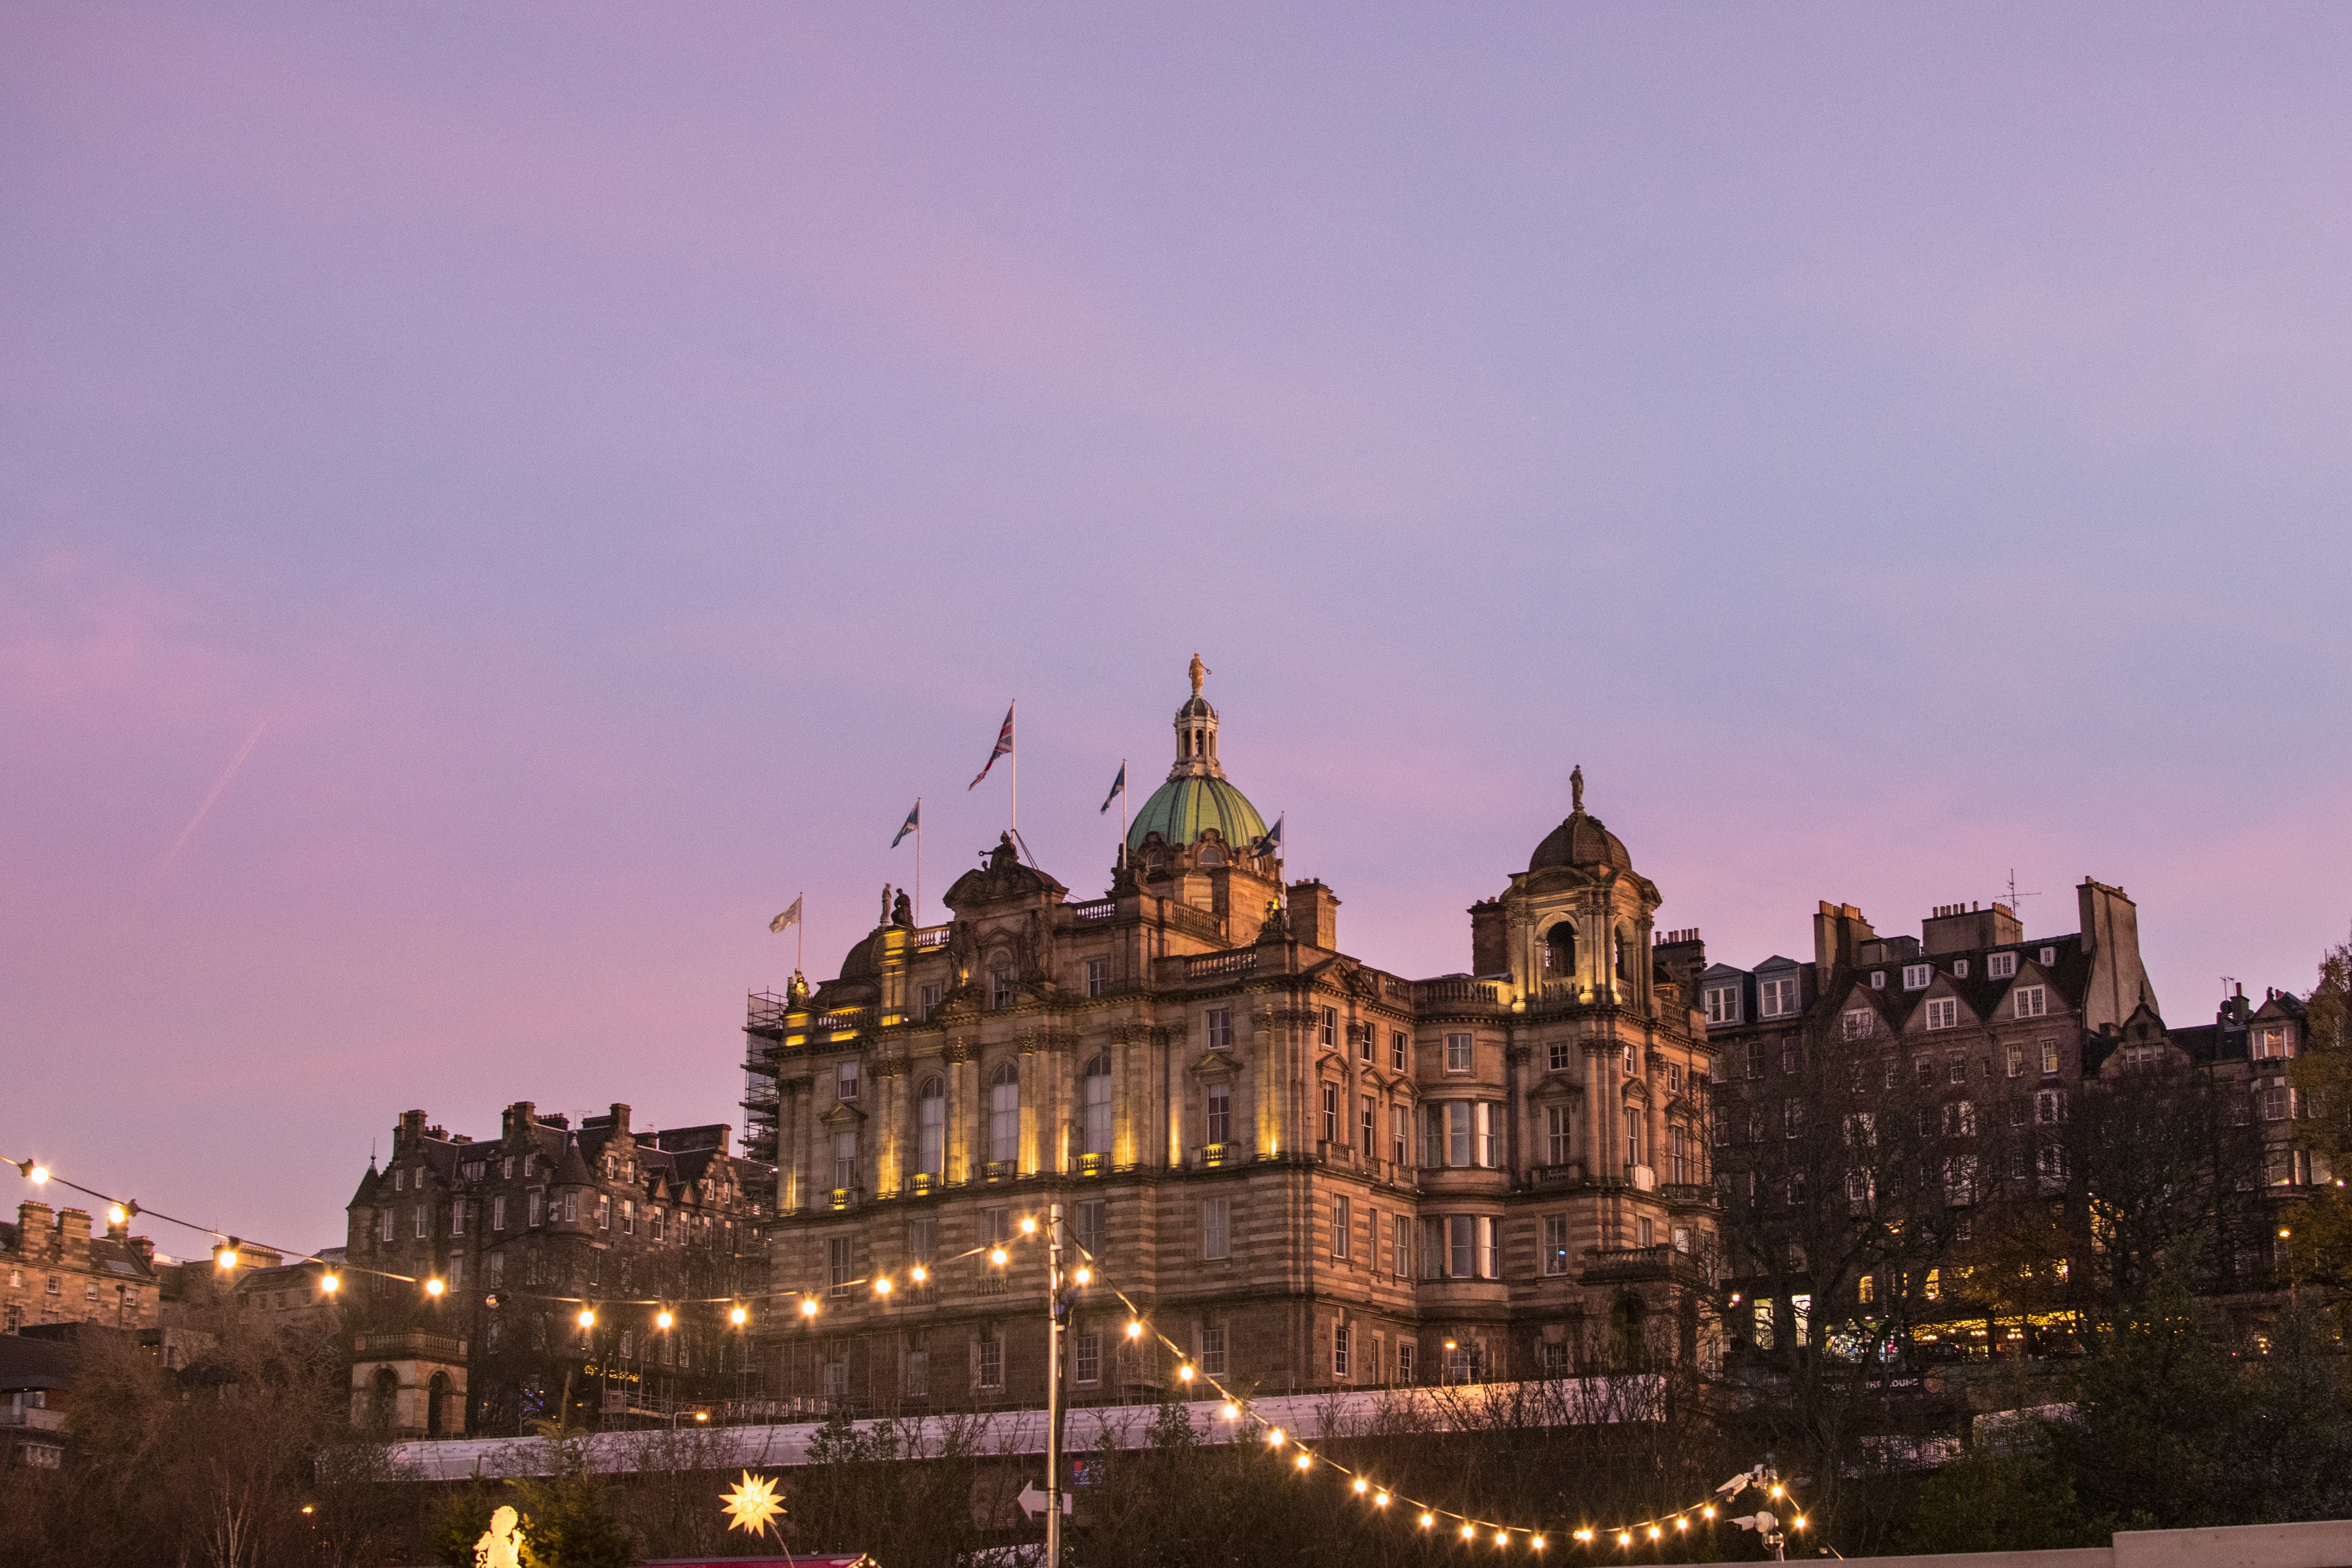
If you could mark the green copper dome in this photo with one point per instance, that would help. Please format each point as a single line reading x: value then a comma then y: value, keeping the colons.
x: 1181, y: 809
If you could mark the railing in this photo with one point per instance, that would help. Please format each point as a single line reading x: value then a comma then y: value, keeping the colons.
x: 846, y: 1197
x: 841, y: 1019
x: 1000, y: 1170
x: 1091, y: 1164
x: 933, y: 936
x: 34, y: 1418
x: 1396, y: 989
x: 1218, y: 1153
x: 1624, y: 1263
x: 1565, y: 1175
x: 1559, y: 994
x: 1437, y: 993
x: 1195, y: 922
x: 1099, y: 909
x: 1209, y: 966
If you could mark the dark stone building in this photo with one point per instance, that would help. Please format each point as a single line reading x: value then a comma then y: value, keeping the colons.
x: 526, y: 1232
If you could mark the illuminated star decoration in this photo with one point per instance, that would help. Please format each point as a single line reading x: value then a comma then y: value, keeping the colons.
x: 753, y: 1505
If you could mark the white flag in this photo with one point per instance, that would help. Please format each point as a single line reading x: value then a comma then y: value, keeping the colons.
x: 791, y: 917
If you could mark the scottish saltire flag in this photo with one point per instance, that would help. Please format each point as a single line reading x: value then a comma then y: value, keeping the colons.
x: 1118, y: 788
x: 1271, y: 844
x: 790, y: 918
x: 1004, y: 748
x: 914, y: 820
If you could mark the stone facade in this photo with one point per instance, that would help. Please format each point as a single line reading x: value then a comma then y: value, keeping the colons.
x: 1311, y: 1173
x: 53, y: 1270
x: 525, y: 1231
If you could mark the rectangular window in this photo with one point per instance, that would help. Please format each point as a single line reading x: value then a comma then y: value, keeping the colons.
x: 1216, y: 1238
x: 2002, y: 966
x: 1555, y: 1243
x: 424, y: 1217
x: 1490, y: 1258
x: 1878, y: 979
x: 2050, y: 1107
x: 1916, y: 975
x: 1558, y: 1121
x: 1327, y: 1031
x: 1089, y: 1227
x: 923, y: 1241
x: 498, y: 1266
x: 1943, y: 1012
x: 1457, y: 1133
x: 657, y: 1223
x: 1755, y: 1059
x: 457, y: 1218
x: 1330, y: 1113
x: 992, y: 1364
x: 1339, y: 1350
x: 1792, y: 1060
x: 571, y: 1207
x: 2270, y: 1043
x: 2033, y: 1001
x: 2053, y: 1163
x: 1000, y: 988
x: 2049, y: 1059
x: 1399, y: 1134
x: 844, y: 1159
x: 1341, y: 1228
x: 1956, y: 1068
x: 1405, y: 1348
x: 1401, y: 1247
x: 1221, y: 1029
x: 1777, y: 998
x: 837, y: 1264
x: 1085, y: 1358
x: 2049, y: 956
x: 1645, y: 1232
x: 1368, y: 1121
x: 928, y: 1001
x: 2017, y: 1061
x: 1557, y: 1056
x: 1095, y: 970
x: 1460, y: 1246
x: 918, y: 1375
x: 1722, y: 1004
x: 1793, y: 1118
x: 1959, y: 969
x: 629, y: 1216
x: 1960, y: 1118
x: 2274, y: 1103
x: 1860, y: 1023
x: 1457, y: 1052
x: 1364, y: 1044
x: 1221, y: 1112
x: 1212, y: 1349
x: 995, y: 1225
x: 389, y: 1221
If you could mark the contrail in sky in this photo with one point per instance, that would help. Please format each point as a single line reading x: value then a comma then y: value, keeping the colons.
x: 171, y: 855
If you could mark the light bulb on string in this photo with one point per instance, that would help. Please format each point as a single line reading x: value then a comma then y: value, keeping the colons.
x: 1083, y: 1275
x: 739, y: 1317
x: 662, y: 1319
x: 1305, y: 1459
x: 329, y: 1283
x: 587, y: 1318
x: 227, y: 1255
x: 1232, y: 1412
x: 116, y: 1214
x: 1624, y: 1538
x: 35, y: 1171
x: 1184, y: 1374
x: 808, y: 1306
x: 1028, y: 1225
x: 1655, y: 1533
x: 1363, y: 1486
x: 882, y: 1286
x: 1799, y: 1522
x: 1381, y: 1499
x: 1469, y: 1533
x: 919, y: 1274
x: 1428, y: 1519
x: 1776, y: 1488
x: 1707, y: 1512
x: 1537, y: 1543
x: 1681, y: 1523
x: 1274, y: 1436
x: 1502, y: 1538
x: 1134, y: 1330
x: 997, y: 1255
x: 434, y: 1287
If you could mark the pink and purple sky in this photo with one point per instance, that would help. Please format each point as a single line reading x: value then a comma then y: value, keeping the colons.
x: 616, y: 459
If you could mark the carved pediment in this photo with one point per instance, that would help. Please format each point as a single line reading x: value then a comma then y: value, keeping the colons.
x: 842, y: 1117
x: 1216, y: 1064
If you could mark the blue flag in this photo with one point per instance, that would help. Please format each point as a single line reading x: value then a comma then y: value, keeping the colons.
x: 1118, y: 788
x: 914, y: 820
x: 1271, y: 844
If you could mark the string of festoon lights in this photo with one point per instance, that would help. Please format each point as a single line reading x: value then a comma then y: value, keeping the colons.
x: 1303, y: 1457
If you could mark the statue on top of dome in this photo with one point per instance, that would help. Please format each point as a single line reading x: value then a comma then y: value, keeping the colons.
x: 1576, y: 788
x: 1197, y: 671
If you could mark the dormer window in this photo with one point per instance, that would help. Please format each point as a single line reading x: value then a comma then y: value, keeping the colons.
x: 1959, y: 969
x: 2002, y: 966
x: 1915, y: 977
x: 2271, y: 1042
x: 1777, y: 998
x: 2049, y: 956
x: 1722, y: 1004
x: 1878, y: 979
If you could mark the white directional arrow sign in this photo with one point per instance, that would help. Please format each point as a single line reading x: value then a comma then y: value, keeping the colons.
x: 1033, y: 1501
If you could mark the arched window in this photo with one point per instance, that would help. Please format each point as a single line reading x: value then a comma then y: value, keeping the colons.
x: 1559, y: 951
x: 1098, y: 1105
x: 385, y: 1388
x: 931, y: 1127
x: 1624, y: 957
x: 437, y: 1398
x: 1004, y: 1114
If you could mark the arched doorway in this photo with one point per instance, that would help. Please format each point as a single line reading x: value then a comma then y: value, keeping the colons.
x: 1629, y: 1322
x: 1559, y: 951
x: 437, y: 1406
x: 384, y: 1390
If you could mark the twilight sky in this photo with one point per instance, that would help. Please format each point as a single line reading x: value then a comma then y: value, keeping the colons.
x: 597, y: 465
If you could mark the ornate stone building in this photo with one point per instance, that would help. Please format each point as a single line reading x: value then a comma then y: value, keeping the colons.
x: 53, y: 1270
x: 1315, y: 1173
x: 524, y: 1232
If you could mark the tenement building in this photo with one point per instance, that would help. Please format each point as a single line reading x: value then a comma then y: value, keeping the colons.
x: 1312, y: 1173
x: 525, y: 1233
x: 53, y: 1270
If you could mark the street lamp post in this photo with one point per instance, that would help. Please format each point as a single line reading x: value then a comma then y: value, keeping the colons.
x: 1059, y: 1312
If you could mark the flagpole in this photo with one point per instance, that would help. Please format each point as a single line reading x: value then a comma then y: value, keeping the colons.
x: 1122, y: 805
x: 1012, y: 809
x: 919, y: 860
x: 800, y: 932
